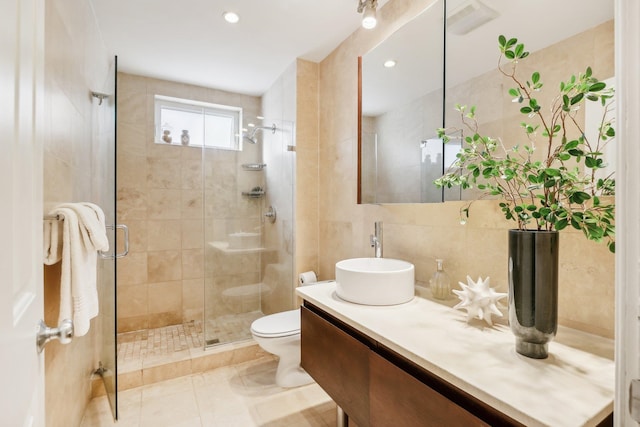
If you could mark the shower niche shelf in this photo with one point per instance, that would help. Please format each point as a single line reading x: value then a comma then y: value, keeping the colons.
x: 253, y: 166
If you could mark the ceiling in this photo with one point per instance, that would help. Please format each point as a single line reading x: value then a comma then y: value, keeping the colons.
x: 189, y: 41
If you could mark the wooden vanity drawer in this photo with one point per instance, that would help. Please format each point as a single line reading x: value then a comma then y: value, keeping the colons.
x: 395, y: 395
x: 339, y: 363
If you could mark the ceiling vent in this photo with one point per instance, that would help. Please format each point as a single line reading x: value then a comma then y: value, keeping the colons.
x: 468, y: 16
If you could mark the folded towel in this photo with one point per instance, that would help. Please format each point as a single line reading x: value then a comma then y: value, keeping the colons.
x: 83, y: 235
x: 52, y: 241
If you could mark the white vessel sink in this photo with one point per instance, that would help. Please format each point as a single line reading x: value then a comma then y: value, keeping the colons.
x: 375, y: 281
x: 244, y: 240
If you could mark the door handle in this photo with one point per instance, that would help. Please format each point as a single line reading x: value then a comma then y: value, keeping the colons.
x: 63, y: 333
x: 125, y: 251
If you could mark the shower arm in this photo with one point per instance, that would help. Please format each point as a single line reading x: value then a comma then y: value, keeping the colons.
x: 257, y: 128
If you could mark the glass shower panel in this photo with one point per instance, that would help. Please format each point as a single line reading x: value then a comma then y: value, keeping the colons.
x: 104, y: 139
x: 248, y: 259
x: 233, y: 242
x: 277, y: 262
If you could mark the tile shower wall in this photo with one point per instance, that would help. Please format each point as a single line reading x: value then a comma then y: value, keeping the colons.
x: 307, y: 167
x: 76, y: 63
x: 422, y: 232
x: 279, y: 107
x: 160, y: 197
x: 294, y: 98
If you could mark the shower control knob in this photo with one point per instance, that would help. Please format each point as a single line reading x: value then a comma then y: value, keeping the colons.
x: 271, y: 214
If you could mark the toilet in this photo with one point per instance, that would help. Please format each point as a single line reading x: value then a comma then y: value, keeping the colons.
x: 279, y: 334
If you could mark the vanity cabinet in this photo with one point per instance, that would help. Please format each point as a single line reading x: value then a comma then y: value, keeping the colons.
x: 421, y: 364
x: 339, y: 362
x: 376, y: 387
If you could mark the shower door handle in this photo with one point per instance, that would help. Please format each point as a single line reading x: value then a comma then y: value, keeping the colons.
x: 125, y: 251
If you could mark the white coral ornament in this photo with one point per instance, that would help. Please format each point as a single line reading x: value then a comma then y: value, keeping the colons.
x: 479, y: 299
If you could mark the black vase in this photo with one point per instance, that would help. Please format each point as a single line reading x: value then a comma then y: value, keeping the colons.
x: 533, y: 290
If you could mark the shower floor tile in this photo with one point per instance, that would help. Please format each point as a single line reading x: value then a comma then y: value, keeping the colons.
x: 175, y: 343
x: 170, y: 343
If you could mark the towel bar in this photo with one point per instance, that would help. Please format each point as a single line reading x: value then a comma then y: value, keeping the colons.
x: 103, y: 255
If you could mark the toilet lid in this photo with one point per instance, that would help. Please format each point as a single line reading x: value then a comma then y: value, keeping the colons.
x: 277, y: 325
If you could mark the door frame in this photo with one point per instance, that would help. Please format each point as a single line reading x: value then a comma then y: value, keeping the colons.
x: 627, y: 347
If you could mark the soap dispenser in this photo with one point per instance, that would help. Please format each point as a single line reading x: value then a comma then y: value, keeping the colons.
x: 439, y: 283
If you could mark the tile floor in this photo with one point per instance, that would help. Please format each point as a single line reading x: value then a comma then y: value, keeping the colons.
x: 243, y: 395
x: 158, y: 341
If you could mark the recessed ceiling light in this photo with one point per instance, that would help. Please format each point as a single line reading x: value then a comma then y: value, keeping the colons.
x: 390, y: 63
x: 231, y: 17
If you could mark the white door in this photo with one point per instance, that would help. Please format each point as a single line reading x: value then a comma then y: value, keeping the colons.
x: 21, y: 307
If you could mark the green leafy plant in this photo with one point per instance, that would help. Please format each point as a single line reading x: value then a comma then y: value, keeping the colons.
x: 549, y: 182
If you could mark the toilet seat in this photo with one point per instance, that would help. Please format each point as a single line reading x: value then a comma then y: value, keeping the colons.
x: 277, y: 325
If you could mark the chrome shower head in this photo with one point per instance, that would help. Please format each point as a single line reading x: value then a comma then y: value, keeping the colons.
x: 252, y: 137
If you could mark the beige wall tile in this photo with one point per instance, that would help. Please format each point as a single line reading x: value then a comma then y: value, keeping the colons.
x: 164, y: 204
x: 163, y: 173
x: 131, y: 203
x: 132, y: 300
x: 132, y: 139
x: 135, y: 323
x: 192, y: 294
x: 165, y: 297
x: 138, y: 232
x: 164, y: 266
x: 132, y: 171
x: 132, y: 269
x: 192, y: 201
x: 164, y: 235
x: 191, y: 171
x: 128, y: 380
x: 192, y: 263
x: 211, y: 361
x: 165, y: 372
x: 158, y: 320
x: 192, y: 234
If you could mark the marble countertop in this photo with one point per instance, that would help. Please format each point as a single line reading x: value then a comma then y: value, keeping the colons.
x: 574, y: 386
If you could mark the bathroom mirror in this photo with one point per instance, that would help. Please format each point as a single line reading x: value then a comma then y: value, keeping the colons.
x: 401, y: 107
x: 393, y: 168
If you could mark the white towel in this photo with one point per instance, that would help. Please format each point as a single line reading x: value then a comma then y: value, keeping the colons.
x: 83, y: 235
x: 52, y: 241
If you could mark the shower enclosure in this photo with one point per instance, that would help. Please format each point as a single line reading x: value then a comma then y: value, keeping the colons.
x: 211, y: 227
x: 248, y: 231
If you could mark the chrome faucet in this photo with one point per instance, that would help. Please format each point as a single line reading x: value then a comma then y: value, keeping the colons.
x: 376, y: 239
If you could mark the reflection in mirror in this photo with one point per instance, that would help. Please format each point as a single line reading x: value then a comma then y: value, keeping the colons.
x: 568, y: 37
x: 401, y: 108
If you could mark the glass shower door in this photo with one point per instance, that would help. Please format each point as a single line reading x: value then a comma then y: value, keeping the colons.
x: 104, y: 139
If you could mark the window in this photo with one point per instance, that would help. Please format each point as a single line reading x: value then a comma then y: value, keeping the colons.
x: 186, y: 122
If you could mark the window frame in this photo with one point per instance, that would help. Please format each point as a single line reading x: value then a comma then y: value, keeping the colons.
x: 198, y: 107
